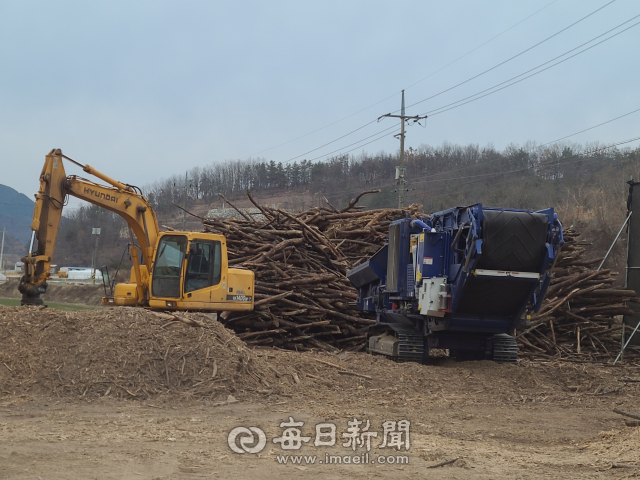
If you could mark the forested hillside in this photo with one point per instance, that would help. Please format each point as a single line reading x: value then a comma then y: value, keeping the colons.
x: 437, y: 176
x: 16, y: 212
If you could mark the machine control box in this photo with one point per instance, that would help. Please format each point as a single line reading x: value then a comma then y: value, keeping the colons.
x: 433, y: 296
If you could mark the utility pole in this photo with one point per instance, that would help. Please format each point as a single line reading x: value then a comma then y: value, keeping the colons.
x: 94, y: 258
x: 400, y: 170
x: 184, y: 212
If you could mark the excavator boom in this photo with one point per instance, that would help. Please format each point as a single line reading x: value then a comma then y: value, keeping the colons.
x: 55, y: 185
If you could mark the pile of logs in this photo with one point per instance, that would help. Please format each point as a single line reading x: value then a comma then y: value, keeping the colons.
x: 577, y: 319
x: 303, y: 299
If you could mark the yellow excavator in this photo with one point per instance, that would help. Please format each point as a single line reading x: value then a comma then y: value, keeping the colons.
x: 176, y: 270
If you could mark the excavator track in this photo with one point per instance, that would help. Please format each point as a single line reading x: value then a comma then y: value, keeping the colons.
x: 505, y: 349
x: 411, y: 346
x: 408, y: 344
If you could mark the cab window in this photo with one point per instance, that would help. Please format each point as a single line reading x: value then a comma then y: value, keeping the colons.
x: 168, y: 266
x: 204, y: 265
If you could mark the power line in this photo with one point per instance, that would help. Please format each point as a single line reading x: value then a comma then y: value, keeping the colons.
x: 480, y: 46
x: 590, y: 128
x: 412, y: 85
x: 442, y: 173
x: 469, y: 166
x: 490, y: 69
x: 359, y: 141
x: 440, y: 110
x: 515, y: 56
x: 444, y: 108
x: 326, y: 126
x: 333, y: 141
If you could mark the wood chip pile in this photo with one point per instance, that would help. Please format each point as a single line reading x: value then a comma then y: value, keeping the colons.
x: 303, y: 299
x: 126, y: 352
x: 577, y: 319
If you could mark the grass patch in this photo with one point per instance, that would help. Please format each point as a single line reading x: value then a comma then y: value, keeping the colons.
x: 14, y: 302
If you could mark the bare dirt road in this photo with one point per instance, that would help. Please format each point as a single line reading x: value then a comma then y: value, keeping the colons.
x: 122, y: 395
x: 496, y: 429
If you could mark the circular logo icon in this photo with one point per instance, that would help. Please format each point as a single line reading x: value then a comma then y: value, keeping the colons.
x: 243, y: 440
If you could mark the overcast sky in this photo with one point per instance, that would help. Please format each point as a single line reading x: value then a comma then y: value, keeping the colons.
x: 145, y: 89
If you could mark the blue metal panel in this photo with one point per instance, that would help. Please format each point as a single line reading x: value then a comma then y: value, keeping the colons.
x: 433, y: 254
x: 411, y: 280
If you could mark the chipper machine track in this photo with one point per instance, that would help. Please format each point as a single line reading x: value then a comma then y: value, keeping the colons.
x: 462, y: 279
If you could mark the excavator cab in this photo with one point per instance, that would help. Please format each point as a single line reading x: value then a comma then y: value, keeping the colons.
x: 190, y: 272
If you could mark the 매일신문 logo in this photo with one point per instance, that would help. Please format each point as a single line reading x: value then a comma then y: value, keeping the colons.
x: 359, y: 437
x: 243, y: 440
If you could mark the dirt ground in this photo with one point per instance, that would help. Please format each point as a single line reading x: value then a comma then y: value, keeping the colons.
x: 122, y: 393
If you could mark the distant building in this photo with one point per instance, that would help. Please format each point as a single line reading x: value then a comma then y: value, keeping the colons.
x: 19, y: 267
x: 231, y: 213
x: 78, y: 273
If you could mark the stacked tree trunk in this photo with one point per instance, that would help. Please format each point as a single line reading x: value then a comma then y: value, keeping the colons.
x: 578, y: 317
x: 303, y: 298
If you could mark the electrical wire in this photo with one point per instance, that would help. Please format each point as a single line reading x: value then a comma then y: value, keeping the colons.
x: 480, y: 46
x: 513, y: 57
x: 590, y: 128
x: 490, y: 88
x: 340, y: 138
x: 333, y: 141
x: 444, y: 108
x: 437, y: 112
x: 356, y: 148
x: 326, y: 126
x: 490, y: 69
x: 406, y: 88
x: 539, y: 146
x: 474, y: 166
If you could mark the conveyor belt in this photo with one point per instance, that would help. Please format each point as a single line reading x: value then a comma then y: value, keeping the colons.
x: 513, y: 241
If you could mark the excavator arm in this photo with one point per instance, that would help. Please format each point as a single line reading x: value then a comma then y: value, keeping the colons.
x: 118, y: 197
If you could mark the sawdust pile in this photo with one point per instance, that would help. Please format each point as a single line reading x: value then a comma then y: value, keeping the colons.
x: 125, y: 352
x: 616, y: 446
x: 135, y: 354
